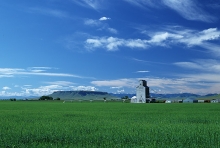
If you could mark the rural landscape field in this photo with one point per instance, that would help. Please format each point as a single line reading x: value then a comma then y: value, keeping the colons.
x: 49, y: 124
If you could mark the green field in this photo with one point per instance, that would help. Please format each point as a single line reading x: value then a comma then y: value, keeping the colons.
x: 46, y: 124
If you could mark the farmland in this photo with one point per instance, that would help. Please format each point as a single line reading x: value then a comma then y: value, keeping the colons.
x: 97, y: 124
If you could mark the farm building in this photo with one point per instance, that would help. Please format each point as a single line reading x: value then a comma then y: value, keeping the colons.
x: 201, y: 101
x: 190, y: 100
x: 133, y: 99
x: 142, y: 93
x: 214, y: 101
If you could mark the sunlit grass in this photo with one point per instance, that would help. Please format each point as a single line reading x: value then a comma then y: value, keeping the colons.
x: 57, y: 124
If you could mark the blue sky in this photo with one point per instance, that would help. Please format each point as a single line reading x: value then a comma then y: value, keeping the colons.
x: 103, y: 45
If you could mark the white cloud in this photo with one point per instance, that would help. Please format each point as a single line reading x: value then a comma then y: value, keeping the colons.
x: 54, y: 86
x: 5, y: 76
x: 136, y: 43
x: 85, y: 88
x: 121, y: 91
x: 6, y: 88
x: 94, y: 42
x: 60, y: 83
x: 160, y: 37
x: 115, y: 83
x: 197, y: 83
x: 142, y: 71
x: 104, y: 18
x: 40, y: 91
x: 112, y: 43
x: 171, y: 37
x: 193, y: 37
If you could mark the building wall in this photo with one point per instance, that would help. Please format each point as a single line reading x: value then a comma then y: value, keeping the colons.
x: 142, y: 92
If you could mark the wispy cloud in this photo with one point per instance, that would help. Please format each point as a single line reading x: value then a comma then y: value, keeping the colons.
x: 204, y: 65
x: 204, y: 72
x: 189, y: 9
x: 94, y: 4
x: 115, y: 83
x: 100, y: 24
x: 144, y: 61
x: 144, y: 3
x: 49, y: 12
x: 112, y: 30
x: 92, y: 22
x: 40, y: 71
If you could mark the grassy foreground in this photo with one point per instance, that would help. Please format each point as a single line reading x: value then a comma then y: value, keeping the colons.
x: 56, y: 124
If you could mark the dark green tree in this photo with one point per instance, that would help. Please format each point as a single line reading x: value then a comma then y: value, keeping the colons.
x: 58, y: 98
x: 46, y: 98
x: 125, y: 97
x: 12, y: 99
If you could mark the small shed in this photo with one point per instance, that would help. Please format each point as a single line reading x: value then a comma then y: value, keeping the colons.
x: 190, y: 100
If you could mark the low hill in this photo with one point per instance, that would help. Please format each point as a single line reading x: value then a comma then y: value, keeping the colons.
x: 209, y: 97
x: 82, y: 95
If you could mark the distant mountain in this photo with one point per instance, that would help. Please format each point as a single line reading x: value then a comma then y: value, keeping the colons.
x: 208, y: 95
x: 180, y: 95
x: 81, y: 95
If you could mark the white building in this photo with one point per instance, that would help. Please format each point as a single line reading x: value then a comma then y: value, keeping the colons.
x: 142, y: 93
x: 134, y: 99
x: 201, y: 101
x: 214, y: 101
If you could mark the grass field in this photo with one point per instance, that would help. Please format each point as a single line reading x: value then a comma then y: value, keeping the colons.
x: 46, y: 124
